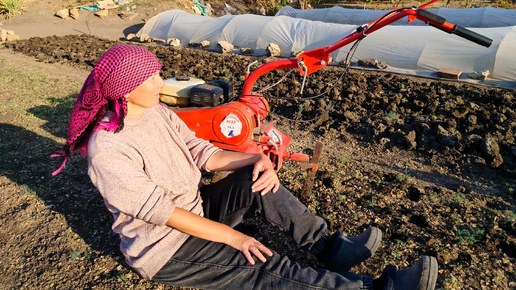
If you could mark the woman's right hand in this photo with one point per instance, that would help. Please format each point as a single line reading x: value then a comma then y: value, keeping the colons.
x: 203, y: 228
x: 248, y: 245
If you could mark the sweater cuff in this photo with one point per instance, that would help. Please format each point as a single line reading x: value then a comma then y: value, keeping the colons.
x: 203, y: 167
x: 163, y: 208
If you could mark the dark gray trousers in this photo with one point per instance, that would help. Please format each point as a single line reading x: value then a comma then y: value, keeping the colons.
x: 203, y: 264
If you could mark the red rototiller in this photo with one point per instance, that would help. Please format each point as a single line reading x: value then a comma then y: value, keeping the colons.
x: 240, y: 125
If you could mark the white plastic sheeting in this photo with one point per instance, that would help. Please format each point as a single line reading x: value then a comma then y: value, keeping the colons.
x: 253, y: 31
x: 410, y: 49
x: 466, y: 17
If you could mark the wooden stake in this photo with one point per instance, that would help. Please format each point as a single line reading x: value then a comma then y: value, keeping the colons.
x: 310, y: 175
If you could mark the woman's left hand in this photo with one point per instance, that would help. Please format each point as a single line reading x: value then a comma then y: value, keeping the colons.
x: 268, y: 180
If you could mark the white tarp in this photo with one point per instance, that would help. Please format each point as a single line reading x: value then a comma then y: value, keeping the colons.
x: 466, y: 17
x: 410, y: 49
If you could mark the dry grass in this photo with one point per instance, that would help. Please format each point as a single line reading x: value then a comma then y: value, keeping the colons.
x: 11, y: 8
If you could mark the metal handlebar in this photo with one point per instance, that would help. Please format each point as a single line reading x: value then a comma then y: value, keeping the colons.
x: 318, y: 58
x: 458, y: 30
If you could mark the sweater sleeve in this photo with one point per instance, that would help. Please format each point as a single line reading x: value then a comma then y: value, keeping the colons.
x: 127, y: 189
x: 200, y: 149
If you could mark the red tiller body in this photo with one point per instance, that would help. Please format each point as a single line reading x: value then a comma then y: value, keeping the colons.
x: 311, y: 61
x: 239, y: 125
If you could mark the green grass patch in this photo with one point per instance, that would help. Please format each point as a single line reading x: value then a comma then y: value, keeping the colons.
x: 469, y: 236
x: 392, y: 115
x: 11, y: 8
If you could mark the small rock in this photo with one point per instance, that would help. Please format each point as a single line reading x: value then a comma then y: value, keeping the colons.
x: 103, y: 13
x: 74, y: 13
x: 173, y: 42
x: 441, y: 130
x: 122, y: 2
x: 3, y: 35
x: 483, y: 75
x: 411, y: 145
x: 368, y: 62
x: 246, y: 50
x: 344, y: 63
x: 411, y: 136
x: 209, y: 9
x: 296, y: 53
x: 11, y: 37
x: 144, y: 38
x: 63, y: 13
x: 130, y: 36
x: 490, y: 147
x: 261, y: 10
x: 383, y: 65
x: 351, y: 116
x: 472, y: 119
x: 225, y: 46
x: 196, y: 10
x: 384, y: 141
x: 497, y: 161
x: 273, y: 49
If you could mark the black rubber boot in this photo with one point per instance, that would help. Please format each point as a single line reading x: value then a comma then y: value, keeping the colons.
x: 421, y: 276
x: 342, y: 253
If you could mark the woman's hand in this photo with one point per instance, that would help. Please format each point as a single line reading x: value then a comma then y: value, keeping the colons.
x: 248, y: 245
x: 203, y: 228
x: 268, y: 181
x: 229, y: 161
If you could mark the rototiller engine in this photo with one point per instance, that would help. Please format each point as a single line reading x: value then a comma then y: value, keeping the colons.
x: 210, y: 111
x: 240, y: 125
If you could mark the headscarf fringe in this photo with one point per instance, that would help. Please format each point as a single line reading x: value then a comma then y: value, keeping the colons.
x: 59, y: 154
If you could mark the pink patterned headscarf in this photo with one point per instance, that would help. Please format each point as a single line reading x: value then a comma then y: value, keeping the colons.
x: 118, y: 72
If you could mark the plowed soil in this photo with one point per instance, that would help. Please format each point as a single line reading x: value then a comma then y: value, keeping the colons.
x: 430, y: 162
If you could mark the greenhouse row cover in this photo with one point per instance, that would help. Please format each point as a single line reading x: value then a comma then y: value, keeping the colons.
x: 418, y: 50
x: 466, y: 17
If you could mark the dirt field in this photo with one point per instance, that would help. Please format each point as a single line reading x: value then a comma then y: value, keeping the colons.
x: 431, y: 163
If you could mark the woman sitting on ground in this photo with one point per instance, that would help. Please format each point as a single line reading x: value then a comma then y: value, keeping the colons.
x: 147, y: 165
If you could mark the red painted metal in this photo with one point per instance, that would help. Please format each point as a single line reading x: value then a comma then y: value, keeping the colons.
x: 250, y: 111
x: 251, y: 134
x: 313, y: 60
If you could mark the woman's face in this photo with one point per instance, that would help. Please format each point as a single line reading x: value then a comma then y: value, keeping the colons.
x: 145, y: 95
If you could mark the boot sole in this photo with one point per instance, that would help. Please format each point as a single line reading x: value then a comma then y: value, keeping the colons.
x: 431, y: 268
x: 377, y: 241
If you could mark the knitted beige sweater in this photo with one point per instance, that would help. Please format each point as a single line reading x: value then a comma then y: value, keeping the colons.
x: 143, y: 172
